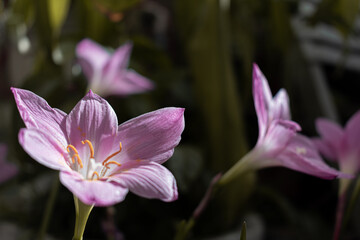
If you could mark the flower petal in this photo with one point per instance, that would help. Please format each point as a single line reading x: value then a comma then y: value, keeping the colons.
x: 301, y: 155
x: 98, y: 192
x: 151, y: 136
x: 43, y: 148
x: 130, y: 83
x: 325, y: 149
x: 262, y: 99
x: 92, y: 58
x: 352, y: 133
x: 91, y: 119
x: 118, y: 62
x: 149, y: 180
x: 277, y: 137
x: 280, y: 106
x: 37, y: 113
x: 332, y: 134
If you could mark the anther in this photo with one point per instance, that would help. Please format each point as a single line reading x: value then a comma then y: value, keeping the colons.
x: 72, y: 147
x: 90, y: 147
x: 112, y: 162
x: 95, y: 173
x: 112, y: 155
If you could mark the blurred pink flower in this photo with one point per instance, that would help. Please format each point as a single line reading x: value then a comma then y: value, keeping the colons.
x: 341, y: 145
x: 7, y: 170
x: 278, y: 143
x: 98, y: 160
x: 107, y: 73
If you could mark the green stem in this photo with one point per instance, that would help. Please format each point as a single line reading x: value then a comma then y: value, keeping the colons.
x: 82, y: 215
x: 339, y: 215
x: 353, y: 200
x: 244, y: 165
x: 49, y: 208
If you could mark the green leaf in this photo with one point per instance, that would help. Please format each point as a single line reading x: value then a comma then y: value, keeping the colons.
x: 57, y: 13
x: 210, y: 57
x: 243, y: 232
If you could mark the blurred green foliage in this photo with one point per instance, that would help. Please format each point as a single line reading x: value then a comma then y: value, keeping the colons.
x: 200, y: 55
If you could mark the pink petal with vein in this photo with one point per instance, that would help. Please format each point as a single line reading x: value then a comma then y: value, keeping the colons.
x: 91, y: 119
x: 261, y: 92
x: 43, y: 148
x: 300, y: 155
x: 99, y: 193
x: 37, y: 113
x: 149, y: 180
x: 152, y: 136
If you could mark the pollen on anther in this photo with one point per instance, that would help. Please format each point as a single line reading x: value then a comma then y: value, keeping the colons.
x: 112, y: 162
x: 90, y: 147
x: 72, y: 148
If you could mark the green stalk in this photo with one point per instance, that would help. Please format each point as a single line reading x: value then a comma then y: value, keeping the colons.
x: 82, y: 214
x: 353, y: 200
x: 246, y: 164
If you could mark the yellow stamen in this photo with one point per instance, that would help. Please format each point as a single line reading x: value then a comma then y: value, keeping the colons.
x: 72, y: 147
x: 95, y: 173
x: 90, y: 146
x: 76, y: 155
x: 104, y: 170
x: 112, y: 162
x: 78, y: 160
x: 112, y: 155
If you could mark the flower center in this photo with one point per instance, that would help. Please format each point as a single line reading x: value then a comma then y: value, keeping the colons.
x: 93, y: 170
x: 301, y: 150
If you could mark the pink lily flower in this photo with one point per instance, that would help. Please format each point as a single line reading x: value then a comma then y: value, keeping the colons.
x: 340, y: 144
x: 279, y: 144
x: 7, y: 170
x: 107, y: 73
x: 99, y: 161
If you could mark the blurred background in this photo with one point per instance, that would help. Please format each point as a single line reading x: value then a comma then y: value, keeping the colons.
x: 200, y: 55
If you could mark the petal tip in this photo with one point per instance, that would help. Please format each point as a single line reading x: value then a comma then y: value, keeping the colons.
x: 21, y: 136
x: 84, y: 44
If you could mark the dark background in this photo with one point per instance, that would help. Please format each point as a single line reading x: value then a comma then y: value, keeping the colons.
x: 199, y: 54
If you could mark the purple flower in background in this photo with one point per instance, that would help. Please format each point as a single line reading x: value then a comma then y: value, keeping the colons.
x: 7, y: 170
x: 107, y: 73
x: 278, y: 143
x: 98, y: 160
x: 341, y: 145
